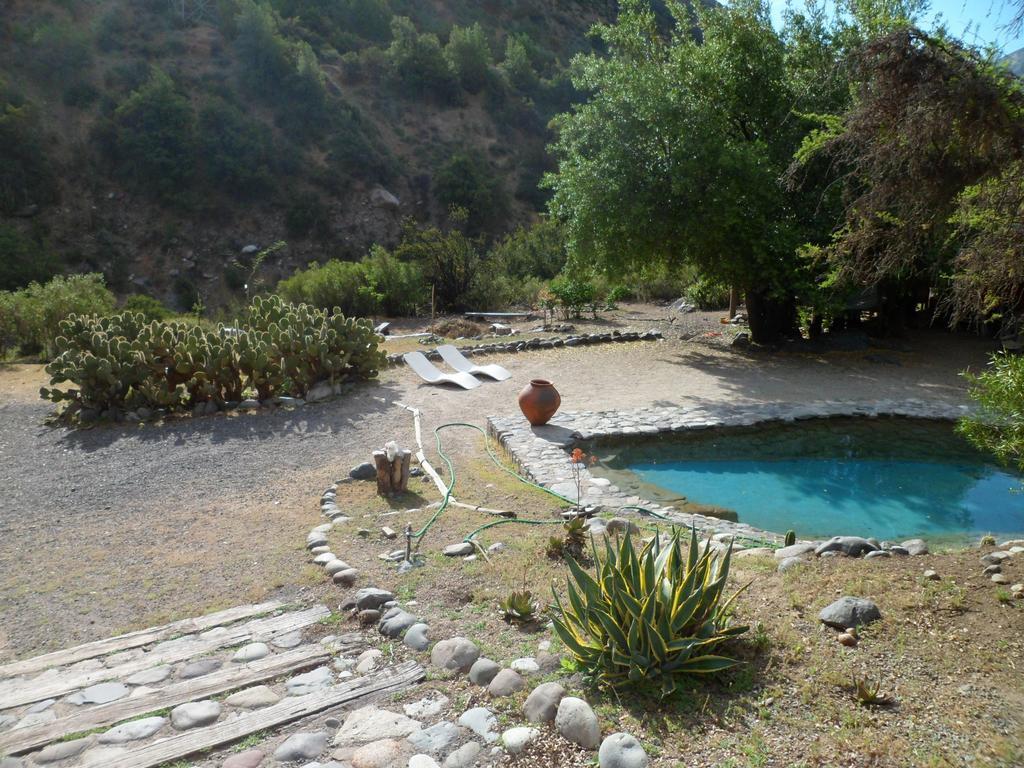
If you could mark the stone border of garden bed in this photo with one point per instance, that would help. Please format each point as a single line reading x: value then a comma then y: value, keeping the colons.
x: 539, y: 343
x: 542, y: 453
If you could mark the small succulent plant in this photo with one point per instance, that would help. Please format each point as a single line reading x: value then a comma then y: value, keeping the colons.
x: 868, y: 693
x: 790, y: 538
x: 519, y: 607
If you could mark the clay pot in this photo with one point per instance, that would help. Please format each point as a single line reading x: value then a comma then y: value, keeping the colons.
x: 539, y: 401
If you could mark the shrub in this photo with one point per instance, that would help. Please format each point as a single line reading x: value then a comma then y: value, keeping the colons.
x: 574, y: 294
x: 342, y: 284
x: 25, y: 173
x: 999, y: 394
x: 60, y: 52
x: 517, y: 66
x: 450, y: 262
x: 155, y: 139
x: 80, y: 95
x: 262, y: 52
x: 648, y: 617
x: 237, y: 153
x: 38, y: 310
x: 536, y: 251
x: 466, y: 181
x: 417, y: 62
x: 708, y: 294
x: 353, y: 149
x: 399, y: 284
x: 124, y: 362
x: 469, y: 56
x: 306, y: 215
x: 151, y: 309
x: 23, y: 260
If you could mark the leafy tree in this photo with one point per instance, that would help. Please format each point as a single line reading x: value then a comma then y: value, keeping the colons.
x: 469, y: 56
x: 155, y: 139
x: 38, y: 309
x: 517, y: 65
x: 997, y: 426
x: 152, y: 309
x: 262, y: 52
x: 451, y: 261
x: 417, y: 61
x: 677, y: 156
x: 466, y: 181
x: 535, y: 251
x: 930, y: 147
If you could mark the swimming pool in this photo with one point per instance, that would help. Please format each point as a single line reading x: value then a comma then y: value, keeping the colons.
x: 890, y: 478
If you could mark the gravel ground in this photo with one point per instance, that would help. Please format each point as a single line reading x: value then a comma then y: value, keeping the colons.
x: 119, y: 527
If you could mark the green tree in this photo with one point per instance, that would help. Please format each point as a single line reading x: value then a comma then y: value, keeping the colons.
x: 676, y: 157
x: 417, y: 61
x: 469, y: 56
x: 451, y: 261
x: 155, y: 139
x: 262, y: 52
x: 997, y: 426
x: 466, y: 181
x: 517, y: 65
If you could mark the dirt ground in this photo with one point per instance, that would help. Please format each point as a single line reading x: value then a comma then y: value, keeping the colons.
x: 120, y: 527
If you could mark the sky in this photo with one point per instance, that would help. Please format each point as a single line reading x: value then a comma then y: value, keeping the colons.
x: 979, y: 22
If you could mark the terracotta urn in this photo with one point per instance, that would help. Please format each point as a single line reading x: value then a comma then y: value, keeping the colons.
x: 539, y: 401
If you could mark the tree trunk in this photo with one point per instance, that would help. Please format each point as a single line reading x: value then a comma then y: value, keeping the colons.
x: 733, y: 301
x: 769, y: 318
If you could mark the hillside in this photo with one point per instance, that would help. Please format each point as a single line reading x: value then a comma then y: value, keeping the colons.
x: 154, y: 140
x: 1015, y: 61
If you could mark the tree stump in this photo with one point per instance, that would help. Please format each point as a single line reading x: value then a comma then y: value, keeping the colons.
x: 392, y: 476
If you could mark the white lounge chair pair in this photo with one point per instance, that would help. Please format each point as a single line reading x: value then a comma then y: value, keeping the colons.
x: 465, y: 370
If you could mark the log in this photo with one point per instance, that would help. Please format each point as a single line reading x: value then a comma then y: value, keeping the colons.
x: 406, y: 460
x: 384, y: 485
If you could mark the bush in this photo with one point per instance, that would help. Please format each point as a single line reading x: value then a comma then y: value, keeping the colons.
x: 262, y: 52
x: 80, y: 95
x: 466, y: 181
x: 469, y: 56
x: 417, y: 62
x: 60, y: 53
x: 708, y: 294
x: 574, y: 294
x: 36, y: 312
x: 517, y: 66
x: 23, y: 260
x: 450, y: 261
x: 237, y: 153
x: 154, y: 140
x: 537, y: 251
x: 151, y: 309
x: 306, y: 215
x: 996, y: 427
x: 25, y: 173
x: 124, y: 362
x: 380, y: 283
x: 648, y: 617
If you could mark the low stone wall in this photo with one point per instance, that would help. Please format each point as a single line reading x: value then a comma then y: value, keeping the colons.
x: 541, y: 453
x: 507, y: 347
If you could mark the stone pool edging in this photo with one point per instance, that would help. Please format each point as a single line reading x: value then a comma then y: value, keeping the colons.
x: 541, y: 453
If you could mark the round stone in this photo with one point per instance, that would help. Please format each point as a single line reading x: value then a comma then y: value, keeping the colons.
x: 301, y: 746
x: 251, y: 652
x: 416, y: 637
x: 455, y: 654
x: 483, y: 671
x: 133, y: 730
x: 251, y: 758
x: 516, y: 740
x: 542, y: 704
x: 849, y: 612
x: 194, y: 714
x: 577, y: 723
x: 620, y: 750
x: 505, y: 683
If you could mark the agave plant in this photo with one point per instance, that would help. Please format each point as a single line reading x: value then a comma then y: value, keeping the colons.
x: 868, y: 692
x: 572, y: 543
x: 519, y: 607
x: 648, y: 616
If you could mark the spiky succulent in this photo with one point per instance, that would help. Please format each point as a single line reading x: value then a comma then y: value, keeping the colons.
x: 648, y: 616
x: 519, y: 607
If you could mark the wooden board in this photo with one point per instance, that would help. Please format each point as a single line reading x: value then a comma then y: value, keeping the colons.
x: 135, y: 639
x: 289, y: 709
x: 14, y: 693
x: 19, y: 740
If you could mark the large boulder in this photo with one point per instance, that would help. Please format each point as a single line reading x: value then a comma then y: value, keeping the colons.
x: 542, y: 704
x: 849, y: 612
x: 620, y: 750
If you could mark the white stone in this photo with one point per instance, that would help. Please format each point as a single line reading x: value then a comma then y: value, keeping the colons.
x: 516, y: 740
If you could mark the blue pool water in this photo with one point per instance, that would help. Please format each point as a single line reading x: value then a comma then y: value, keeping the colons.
x: 884, y: 478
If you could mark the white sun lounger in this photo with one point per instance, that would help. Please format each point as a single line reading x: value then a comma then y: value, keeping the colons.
x: 456, y: 360
x: 427, y: 371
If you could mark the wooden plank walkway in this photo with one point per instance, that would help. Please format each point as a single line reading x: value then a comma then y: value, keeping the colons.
x: 177, y: 747
x: 14, y: 693
x: 20, y: 740
x: 135, y: 639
